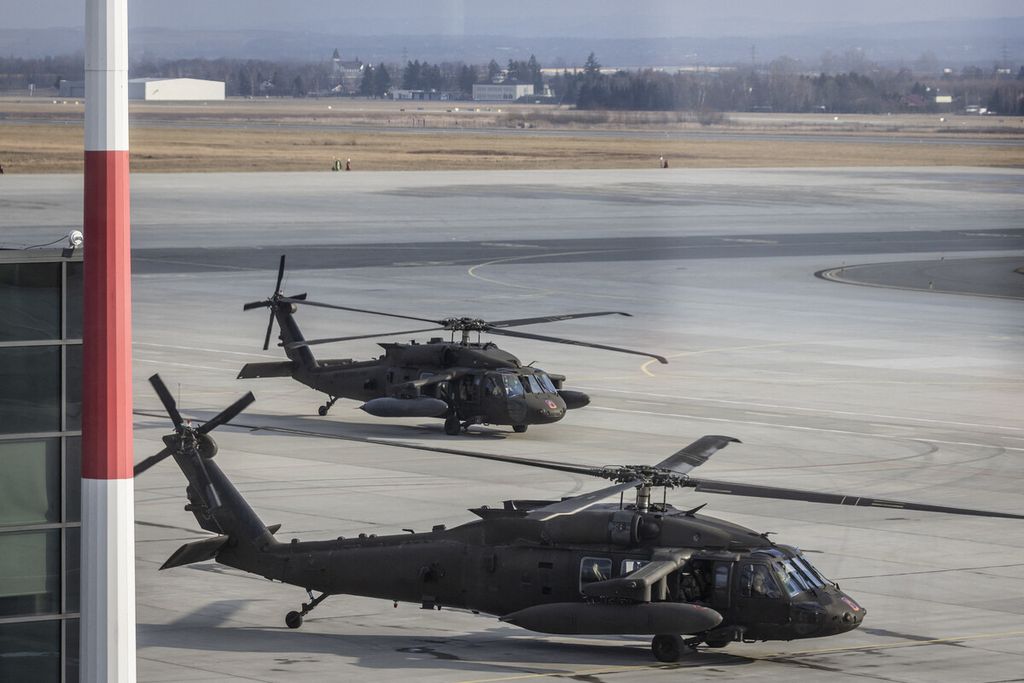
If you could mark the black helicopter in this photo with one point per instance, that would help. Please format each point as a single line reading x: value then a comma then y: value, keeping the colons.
x: 464, y: 382
x: 576, y: 566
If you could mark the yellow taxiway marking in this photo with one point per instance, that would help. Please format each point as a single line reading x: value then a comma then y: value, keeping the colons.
x: 723, y: 349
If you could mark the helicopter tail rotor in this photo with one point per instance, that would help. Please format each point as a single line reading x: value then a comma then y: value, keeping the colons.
x: 192, y: 445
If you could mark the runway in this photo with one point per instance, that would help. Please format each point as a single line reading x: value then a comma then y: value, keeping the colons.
x: 883, y: 391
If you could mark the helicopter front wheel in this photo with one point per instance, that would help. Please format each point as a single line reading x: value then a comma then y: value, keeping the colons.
x: 293, y: 620
x: 667, y: 647
x: 519, y: 429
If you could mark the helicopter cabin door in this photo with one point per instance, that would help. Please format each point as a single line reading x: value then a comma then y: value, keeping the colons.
x: 468, y: 393
x: 757, y: 593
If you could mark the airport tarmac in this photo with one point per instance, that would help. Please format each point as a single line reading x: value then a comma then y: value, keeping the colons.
x: 877, y: 391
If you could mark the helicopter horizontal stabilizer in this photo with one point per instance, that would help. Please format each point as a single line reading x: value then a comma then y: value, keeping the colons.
x: 585, y: 618
x: 196, y: 551
x: 275, y: 369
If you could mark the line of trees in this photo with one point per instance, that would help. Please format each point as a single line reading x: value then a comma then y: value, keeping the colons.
x: 777, y: 87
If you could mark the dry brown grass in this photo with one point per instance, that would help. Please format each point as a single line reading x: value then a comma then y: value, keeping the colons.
x: 43, y: 138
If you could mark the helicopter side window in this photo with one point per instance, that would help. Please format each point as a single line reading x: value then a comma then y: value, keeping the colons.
x: 630, y: 566
x: 594, y: 569
x: 512, y: 386
x: 757, y: 582
x: 492, y: 388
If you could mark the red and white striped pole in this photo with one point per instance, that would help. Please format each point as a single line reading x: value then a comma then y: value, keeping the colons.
x: 108, y: 514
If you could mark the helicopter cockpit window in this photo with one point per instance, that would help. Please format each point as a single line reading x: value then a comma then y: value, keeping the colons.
x: 630, y: 566
x: 512, y: 386
x: 757, y: 582
x: 791, y: 579
x: 593, y: 569
x: 531, y: 384
x: 546, y: 383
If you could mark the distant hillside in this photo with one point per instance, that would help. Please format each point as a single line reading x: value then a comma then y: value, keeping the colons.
x: 953, y: 44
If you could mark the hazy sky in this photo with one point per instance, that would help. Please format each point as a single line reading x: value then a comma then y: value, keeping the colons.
x: 541, y: 18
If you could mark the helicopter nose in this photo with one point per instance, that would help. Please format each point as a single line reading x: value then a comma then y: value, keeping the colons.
x: 549, y: 409
x: 844, y: 615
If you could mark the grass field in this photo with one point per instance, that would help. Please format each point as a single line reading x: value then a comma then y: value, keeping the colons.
x: 45, y: 136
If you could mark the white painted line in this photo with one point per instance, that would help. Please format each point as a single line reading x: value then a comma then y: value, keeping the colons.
x: 800, y: 408
x: 177, y: 365
x: 200, y: 348
x: 704, y: 418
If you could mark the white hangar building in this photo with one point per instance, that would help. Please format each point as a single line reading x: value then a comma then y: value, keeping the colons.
x: 174, y: 89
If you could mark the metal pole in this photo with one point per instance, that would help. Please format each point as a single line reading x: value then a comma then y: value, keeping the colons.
x: 108, y: 533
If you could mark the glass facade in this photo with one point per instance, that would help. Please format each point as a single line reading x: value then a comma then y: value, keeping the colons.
x: 40, y: 464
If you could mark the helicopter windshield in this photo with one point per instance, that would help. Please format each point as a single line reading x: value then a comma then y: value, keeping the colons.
x: 546, y: 382
x: 512, y: 386
x: 538, y: 383
x: 795, y: 572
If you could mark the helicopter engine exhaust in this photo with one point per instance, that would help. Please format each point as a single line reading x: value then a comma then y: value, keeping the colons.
x: 649, y: 618
x: 421, y: 406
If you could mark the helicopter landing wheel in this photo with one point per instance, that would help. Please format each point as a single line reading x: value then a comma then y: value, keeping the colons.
x: 322, y: 410
x: 452, y: 426
x: 519, y: 429
x: 667, y: 647
x: 294, y: 619
x: 719, y: 642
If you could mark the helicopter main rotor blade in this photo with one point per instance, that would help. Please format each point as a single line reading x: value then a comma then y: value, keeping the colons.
x: 151, y: 460
x: 304, y: 302
x: 572, y: 342
x: 165, y: 397
x: 544, y: 464
x: 227, y: 414
x: 756, y: 491
x: 313, y: 342
x: 551, y: 319
x: 571, y: 506
x: 280, y: 275
x: 696, y: 454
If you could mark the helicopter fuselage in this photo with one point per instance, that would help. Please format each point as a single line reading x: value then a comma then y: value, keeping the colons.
x: 466, y: 384
x: 509, y: 566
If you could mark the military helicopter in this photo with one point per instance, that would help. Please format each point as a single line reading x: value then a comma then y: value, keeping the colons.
x: 575, y: 566
x: 465, y: 382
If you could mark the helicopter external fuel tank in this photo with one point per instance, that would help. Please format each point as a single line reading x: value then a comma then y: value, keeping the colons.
x: 421, y: 406
x: 582, y: 618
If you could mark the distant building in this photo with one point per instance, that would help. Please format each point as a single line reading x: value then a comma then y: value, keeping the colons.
x: 404, y: 94
x: 176, y: 89
x: 348, y: 74
x: 72, y: 89
x: 501, y: 92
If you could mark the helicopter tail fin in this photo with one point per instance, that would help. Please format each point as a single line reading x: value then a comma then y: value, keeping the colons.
x: 300, y: 356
